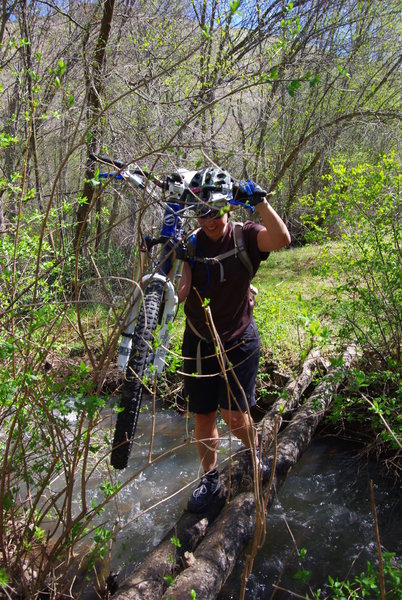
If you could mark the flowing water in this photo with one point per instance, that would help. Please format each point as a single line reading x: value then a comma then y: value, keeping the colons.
x: 324, y: 507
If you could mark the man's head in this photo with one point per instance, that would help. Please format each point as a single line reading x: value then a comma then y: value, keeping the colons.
x: 213, y: 225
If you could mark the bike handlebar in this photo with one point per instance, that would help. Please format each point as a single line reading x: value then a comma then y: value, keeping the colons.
x: 138, y: 175
x: 126, y: 172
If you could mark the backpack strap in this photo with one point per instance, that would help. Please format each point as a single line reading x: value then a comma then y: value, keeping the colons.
x: 241, y: 248
x: 195, y: 331
x: 191, y: 251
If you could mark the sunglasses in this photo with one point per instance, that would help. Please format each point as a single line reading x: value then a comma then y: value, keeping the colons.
x: 210, y: 213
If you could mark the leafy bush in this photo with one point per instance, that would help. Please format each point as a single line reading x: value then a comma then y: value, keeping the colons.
x: 51, y: 439
x: 361, y: 207
x: 367, y: 584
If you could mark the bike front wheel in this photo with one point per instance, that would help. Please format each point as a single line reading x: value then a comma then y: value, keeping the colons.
x: 132, y: 389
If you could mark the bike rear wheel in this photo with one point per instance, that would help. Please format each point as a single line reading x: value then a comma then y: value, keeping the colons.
x: 132, y: 389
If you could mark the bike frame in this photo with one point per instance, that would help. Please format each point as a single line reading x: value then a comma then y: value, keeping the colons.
x: 167, y: 268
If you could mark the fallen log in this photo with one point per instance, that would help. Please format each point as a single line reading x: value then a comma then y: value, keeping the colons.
x: 217, y: 554
x: 290, y: 398
x: 147, y: 581
x: 300, y: 430
x: 219, y: 551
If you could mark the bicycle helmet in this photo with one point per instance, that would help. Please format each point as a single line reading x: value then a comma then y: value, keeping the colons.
x: 213, y: 187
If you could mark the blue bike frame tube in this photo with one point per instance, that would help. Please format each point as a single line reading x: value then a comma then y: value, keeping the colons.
x: 171, y: 222
x: 171, y: 227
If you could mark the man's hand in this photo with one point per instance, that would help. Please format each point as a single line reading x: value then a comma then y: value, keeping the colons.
x: 248, y: 192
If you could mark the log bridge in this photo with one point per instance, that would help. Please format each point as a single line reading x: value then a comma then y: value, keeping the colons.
x: 211, y: 543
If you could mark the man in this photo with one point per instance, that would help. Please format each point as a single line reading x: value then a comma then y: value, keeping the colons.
x: 219, y: 309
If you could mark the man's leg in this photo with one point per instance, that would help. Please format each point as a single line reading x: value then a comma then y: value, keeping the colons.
x: 206, y: 434
x: 207, y: 438
x: 241, y: 425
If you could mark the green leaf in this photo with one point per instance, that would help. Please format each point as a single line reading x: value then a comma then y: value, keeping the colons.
x: 61, y: 66
x: 274, y: 73
x: 169, y: 579
x: 206, y: 32
x: 343, y: 71
x: 175, y: 541
x: 314, y: 80
x: 3, y: 578
x: 234, y: 5
x: 39, y: 533
x: 7, y: 500
x: 293, y: 86
x: 6, y: 139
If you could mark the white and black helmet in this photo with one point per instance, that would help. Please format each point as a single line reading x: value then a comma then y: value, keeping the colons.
x: 213, y: 186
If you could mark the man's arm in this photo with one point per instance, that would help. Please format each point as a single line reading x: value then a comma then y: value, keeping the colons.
x: 275, y: 234
x: 185, y: 282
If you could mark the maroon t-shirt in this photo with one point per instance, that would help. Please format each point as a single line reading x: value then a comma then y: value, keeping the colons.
x: 230, y: 300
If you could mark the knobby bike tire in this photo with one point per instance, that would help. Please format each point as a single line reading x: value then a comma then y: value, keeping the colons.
x: 132, y: 389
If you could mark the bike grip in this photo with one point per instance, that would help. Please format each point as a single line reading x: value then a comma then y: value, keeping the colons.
x: 105, y: 159
x: 106, y: 175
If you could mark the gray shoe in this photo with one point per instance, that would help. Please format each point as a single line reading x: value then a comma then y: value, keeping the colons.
x: 203, y: 494
x: 263, y: 469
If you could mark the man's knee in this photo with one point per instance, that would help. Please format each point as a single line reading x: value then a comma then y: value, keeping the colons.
x: 235, y: 419
x: 205, y: 424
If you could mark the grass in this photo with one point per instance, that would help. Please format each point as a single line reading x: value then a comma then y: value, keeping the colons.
x: 289, y: 305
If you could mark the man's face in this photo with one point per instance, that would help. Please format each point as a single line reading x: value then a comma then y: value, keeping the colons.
x: 213, y: 225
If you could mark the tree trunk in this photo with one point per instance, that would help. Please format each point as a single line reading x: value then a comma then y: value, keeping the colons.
x: 208, y: 552
x: 94, y: 87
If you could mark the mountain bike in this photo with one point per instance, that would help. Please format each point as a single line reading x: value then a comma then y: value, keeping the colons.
x: 154, y: 303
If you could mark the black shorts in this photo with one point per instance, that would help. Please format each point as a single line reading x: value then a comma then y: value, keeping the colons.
x: 207, y: 390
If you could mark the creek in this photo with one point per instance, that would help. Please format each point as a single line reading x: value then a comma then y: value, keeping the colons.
x: 324, y: 506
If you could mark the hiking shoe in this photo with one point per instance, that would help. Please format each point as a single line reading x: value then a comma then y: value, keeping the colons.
x: 263, y: 469
x: 201, y: 497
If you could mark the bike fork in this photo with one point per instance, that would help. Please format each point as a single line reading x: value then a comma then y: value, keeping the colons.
x: 170, y: 302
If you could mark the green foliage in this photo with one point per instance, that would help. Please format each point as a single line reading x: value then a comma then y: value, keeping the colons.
x: 361, y: 206
x: 175, y: 542
x: 372, y: 400
x: 102, y: 540
x: 3, y: 578
x: 50, y: 422
x: 302, y: 575
x: 6, y: 139
x: 169, y: 579
x: 367, y: 584
x: 289, y: 306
